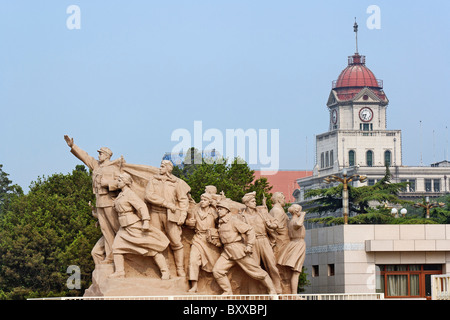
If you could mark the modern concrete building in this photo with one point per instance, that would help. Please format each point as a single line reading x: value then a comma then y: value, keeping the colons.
x: 397, y: 260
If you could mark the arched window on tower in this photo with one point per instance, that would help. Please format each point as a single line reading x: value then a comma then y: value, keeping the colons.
x: 387, y: 158
x: 351, y: 158
x: 369, y: 158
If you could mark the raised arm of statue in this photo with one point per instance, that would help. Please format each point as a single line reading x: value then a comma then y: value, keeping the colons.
x: 300, y: 220
x: 91, y: 162
x: 69, y: 140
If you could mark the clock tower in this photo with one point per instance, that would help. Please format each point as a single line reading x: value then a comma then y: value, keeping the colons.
x: 359, y: 141
x: 357, y: 135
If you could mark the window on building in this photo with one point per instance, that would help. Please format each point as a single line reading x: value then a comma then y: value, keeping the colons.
x: 405, y: 188
x: 331, y: 158
x: 366, y: 126
x: 331, y: 270
x: 437, y: 185
x: 315, y: 271
x: 327, y: 159
x: 428, y: 185
x: 412, y: 185
x: 322, y: 160
x: 387, y: 158
x: 351, y: 158
x: 406, y: 281
x: 369, y: 158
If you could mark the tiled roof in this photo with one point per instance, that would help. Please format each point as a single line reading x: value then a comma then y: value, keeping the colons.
x: 284, y: 181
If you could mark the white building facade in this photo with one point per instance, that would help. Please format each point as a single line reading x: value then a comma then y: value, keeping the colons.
x: 396, y: 260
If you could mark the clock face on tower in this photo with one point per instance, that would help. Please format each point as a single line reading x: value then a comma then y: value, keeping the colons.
x: 334, y: 116
x: 366, y: 114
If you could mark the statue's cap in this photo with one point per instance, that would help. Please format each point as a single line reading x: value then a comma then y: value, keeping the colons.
x: 105, y: 150
x: 223, y: 204
x: 248, y: 196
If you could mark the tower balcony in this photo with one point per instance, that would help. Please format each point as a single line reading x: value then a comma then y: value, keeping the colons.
x: 335, y: 85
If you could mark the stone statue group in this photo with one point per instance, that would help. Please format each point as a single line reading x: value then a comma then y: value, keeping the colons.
x: 142, y: 210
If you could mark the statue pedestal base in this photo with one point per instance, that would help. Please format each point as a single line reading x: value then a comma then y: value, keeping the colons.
x: 143, y: 278
x: 133, y: 286
x: 147, y: 282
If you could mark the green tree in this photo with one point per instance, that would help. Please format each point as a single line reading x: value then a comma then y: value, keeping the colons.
x: 303, y: 281
x: 7, y: 190
x: 438, y: 214
x: 235, y: 179
x: 361, y: 200
x: 442, y: 214
x: 46, y: 231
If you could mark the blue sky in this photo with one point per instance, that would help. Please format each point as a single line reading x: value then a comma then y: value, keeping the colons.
x: 137, y: 71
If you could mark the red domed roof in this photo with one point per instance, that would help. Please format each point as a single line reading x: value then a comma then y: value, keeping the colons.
x: 355, y: 77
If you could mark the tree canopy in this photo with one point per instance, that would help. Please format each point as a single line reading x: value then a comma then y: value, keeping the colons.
x: 235, y: 179
x: 370, y: 203
x: 7, y: 190
x: 45, y: 231
x: 437, y: 214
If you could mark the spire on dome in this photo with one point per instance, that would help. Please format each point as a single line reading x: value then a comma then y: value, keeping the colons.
x: 357, y: 76
x: 355, y: 30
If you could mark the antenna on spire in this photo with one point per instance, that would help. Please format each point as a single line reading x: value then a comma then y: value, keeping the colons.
x: 434, y: 148
x: 421, y: 162
x: 446, y: 143
x: 306, y: 152
x: 355, y: 30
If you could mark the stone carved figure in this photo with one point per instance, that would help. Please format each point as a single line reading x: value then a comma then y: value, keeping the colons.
x: 265, y: 226
x: 212, y: 190
x: 234, y: 206
x: 147, y: 216
x: 205, y: 244
x: 98, y: 251
x: 277, y: 212
x: 169, y: 200
x: 293, y: 254
x: 232, y: 231
x: 136, y: 235
x: 104, y: 174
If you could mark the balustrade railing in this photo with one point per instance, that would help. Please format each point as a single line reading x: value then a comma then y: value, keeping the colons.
x: 440, y: 287
x: 329, y: 296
